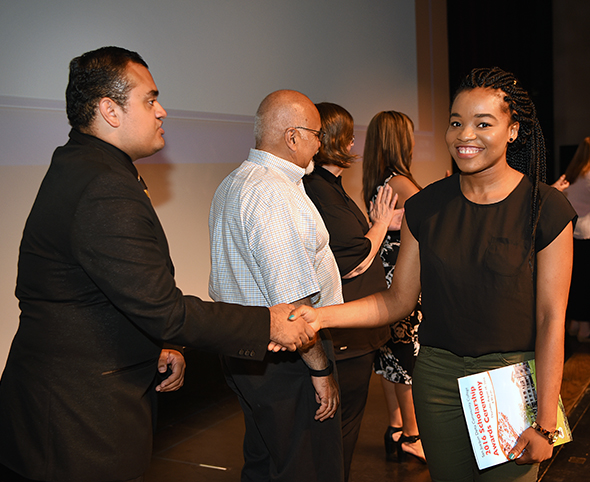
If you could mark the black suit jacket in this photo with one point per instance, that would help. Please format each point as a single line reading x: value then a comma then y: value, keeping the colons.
x: 97, y: 298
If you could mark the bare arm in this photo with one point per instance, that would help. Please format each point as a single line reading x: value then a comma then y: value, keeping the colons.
x: 382, y: 211
x: 378, y: 309
x: 554, y: 268
x: 313, y: 353
x: 402, y: 189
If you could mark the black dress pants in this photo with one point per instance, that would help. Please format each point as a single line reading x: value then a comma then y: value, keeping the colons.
x: 354, y: 376
x: 7, y: 475
x: 283, y: 442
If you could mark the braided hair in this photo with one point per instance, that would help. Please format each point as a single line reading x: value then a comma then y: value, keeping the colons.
x: 527, y: 153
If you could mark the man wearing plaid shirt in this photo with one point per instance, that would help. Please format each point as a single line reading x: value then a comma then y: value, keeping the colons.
x: 269, y: 245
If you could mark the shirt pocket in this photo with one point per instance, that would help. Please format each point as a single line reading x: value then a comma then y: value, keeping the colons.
x: 505, y: 257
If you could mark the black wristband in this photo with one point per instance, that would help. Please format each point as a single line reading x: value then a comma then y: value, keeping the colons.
x: 323, y: 373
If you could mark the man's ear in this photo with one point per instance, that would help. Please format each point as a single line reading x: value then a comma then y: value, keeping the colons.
x: 109, y: 111
x: 291, y: 139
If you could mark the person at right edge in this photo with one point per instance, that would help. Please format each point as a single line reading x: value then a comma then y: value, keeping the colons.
x: 490, y: 249
x: 576, y: 182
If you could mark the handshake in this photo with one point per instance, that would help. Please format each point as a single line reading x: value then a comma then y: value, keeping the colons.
x: 296, y: 327
x: 292, y: 328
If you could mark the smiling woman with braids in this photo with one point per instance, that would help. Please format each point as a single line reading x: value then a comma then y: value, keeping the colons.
x: 491, y: 250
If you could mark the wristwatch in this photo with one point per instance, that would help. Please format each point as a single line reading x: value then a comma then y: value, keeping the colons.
x: 551, y: 436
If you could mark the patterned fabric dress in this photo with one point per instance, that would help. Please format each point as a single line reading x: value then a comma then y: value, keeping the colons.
x: 395, y: 360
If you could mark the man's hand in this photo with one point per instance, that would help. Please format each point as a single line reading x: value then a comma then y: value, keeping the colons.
x: 288, y: 334
x: 326, y: 394
x: 174, y: 360
x: 533, y: 446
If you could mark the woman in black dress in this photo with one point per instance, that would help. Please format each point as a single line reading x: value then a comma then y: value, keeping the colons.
x: 355, y: 245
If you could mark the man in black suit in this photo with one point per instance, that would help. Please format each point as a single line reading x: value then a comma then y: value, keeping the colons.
x: 98, y: 298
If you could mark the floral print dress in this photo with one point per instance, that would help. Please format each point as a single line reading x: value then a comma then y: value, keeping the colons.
x: 395, y: 360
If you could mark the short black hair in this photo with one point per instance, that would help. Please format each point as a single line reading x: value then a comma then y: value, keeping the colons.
x: 94, y: 75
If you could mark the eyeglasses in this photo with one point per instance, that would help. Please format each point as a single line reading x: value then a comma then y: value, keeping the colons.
x: 319, y: 134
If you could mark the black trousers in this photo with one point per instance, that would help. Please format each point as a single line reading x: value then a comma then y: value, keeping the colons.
x: 578, y: 307
x: 7, y: 475
x: 354, y: 375
x: 283, y: 442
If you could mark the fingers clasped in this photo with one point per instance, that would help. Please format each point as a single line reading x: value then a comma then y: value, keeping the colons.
x: 290, y: 329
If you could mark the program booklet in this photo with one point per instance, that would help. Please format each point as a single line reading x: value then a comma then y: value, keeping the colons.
x: 499, y: 405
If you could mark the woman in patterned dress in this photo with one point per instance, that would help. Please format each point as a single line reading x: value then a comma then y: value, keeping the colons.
x: 386, y: 161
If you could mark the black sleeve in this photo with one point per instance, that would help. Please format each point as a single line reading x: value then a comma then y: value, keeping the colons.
x: 345, y: 222
x: 555, y: 214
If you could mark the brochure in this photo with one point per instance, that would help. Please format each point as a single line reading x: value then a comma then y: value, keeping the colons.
x: 499, y: 405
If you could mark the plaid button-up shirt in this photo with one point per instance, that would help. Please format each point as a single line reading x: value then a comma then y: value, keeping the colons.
x: 269, y: 244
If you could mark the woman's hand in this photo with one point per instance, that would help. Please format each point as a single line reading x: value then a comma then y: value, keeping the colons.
x: 308, y: 314
x: 381, y: 214
x: 397, y: 219
x: 561, y: 184
x: 383, y: 208
x: 532, y: 447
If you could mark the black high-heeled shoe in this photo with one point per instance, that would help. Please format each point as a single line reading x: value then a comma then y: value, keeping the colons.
x: 390, y: 444
x: 402, y: 455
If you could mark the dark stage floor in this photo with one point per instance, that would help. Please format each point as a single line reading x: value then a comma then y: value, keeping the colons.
x: 199, y: 437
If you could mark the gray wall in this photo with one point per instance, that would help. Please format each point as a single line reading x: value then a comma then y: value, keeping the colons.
x: 223, y: 56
